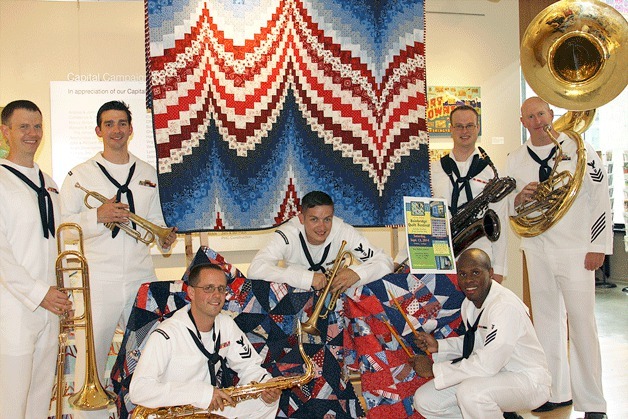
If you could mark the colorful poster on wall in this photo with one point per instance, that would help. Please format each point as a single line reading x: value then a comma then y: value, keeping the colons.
x: 428, y: 235
x: 4, y: 144
x: 441, y: 100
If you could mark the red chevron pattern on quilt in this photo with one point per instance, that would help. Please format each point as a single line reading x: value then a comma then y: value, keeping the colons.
x: 205, y: 75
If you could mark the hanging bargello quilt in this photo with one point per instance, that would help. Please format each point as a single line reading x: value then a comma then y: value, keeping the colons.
x: 354, y: 340
x: 257, y: 102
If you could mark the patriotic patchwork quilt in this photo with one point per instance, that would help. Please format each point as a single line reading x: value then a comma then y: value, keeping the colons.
x: 355, y: 348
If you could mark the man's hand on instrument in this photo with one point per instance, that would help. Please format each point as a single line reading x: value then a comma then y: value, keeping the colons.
x: 526, y: 193
x: 170, y: 239
x: 422, y: 365
x: 270, y: 395
x: 426, y: 342
x: 220, y: 399
x: 593, y: 260
x: 319, y: 281
x: 56, y: 302
x: 344, y: 279
x: 113, y: 212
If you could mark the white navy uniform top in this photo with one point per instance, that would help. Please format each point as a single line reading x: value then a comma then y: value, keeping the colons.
x: 27, y: 259
x: 504, y: 341
x: 120, y: 258
x: 173, y: 371
x: 285, y: 245
x: 587, y: 226
x: 443, y: 188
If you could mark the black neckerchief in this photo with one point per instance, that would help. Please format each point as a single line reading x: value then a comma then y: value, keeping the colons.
x: 314, y: 266
x: 122, y: 189
x: 544, y: 169
x: 46, y: 211
x: 469, y: 340
x: 224, y: 379
x: 461, y: 182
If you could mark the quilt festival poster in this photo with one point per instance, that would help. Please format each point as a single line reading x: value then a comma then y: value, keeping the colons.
x: 257, y: 102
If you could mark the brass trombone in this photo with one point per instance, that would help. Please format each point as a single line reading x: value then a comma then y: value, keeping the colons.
x: 310, y: 325
x: 92, y: 396
x: 151, y: 230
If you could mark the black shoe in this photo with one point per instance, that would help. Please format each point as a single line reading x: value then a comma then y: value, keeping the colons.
x: 549, y: 406
x: 595, y: 415
x: 512, y: 415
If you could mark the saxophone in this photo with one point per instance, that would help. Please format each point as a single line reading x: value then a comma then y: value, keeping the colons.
x: 474, y: 220
x: 237, y: 393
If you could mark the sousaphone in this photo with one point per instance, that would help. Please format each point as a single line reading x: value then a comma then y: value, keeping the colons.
x: 573, y: 55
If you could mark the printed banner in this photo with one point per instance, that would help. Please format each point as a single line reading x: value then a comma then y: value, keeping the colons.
x: 428, y: 234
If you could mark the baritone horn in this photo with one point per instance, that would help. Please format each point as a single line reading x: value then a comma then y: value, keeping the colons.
x: 343, y: 258
x: 92, y: 396
x: 150, y: 230
x: 573, y: 55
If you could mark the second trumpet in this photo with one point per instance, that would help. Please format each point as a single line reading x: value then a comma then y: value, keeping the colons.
x: 341, y: 260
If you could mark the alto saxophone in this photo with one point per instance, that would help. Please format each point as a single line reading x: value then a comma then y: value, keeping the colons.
x: 237, y: 393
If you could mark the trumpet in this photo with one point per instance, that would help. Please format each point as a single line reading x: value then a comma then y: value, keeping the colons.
x: 237, y: 393
x: 310, y: 325
x: 92, y: 396
x: 150, y: 230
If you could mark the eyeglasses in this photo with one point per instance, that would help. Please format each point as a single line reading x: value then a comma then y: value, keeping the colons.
x: 460, y: 127
x: 209, y: 289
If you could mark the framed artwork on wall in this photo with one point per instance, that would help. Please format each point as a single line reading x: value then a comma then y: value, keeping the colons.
x: 441, y: 100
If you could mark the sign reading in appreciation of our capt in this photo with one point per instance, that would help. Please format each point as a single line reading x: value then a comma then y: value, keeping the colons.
x: 429, y: 245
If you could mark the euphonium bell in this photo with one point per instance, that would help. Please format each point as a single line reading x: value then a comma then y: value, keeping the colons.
x: 310, y: 325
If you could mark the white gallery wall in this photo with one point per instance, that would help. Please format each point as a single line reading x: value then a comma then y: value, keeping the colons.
x: 468, y: 43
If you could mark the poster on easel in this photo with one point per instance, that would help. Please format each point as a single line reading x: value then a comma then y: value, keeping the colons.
x: 428, y: 235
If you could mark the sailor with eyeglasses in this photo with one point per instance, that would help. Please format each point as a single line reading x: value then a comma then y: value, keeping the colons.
x: 462, y: 174
x: 187, y: 360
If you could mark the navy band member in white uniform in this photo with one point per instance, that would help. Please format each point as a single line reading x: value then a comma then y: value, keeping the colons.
x: 29, y: 300
x: 184, y: 361
x: 497, y: 366
x: 118, y: 264
x: 308, y: 245
x: 461, y: 176
x: 561, y: 264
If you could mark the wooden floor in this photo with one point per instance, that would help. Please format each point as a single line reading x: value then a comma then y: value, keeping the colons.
x: 612, y: 319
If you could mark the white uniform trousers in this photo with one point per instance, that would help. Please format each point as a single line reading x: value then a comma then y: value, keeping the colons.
x: 28, y: 352
x: 480, y: 397
x: 111, y: 303
x: 561, y: 288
